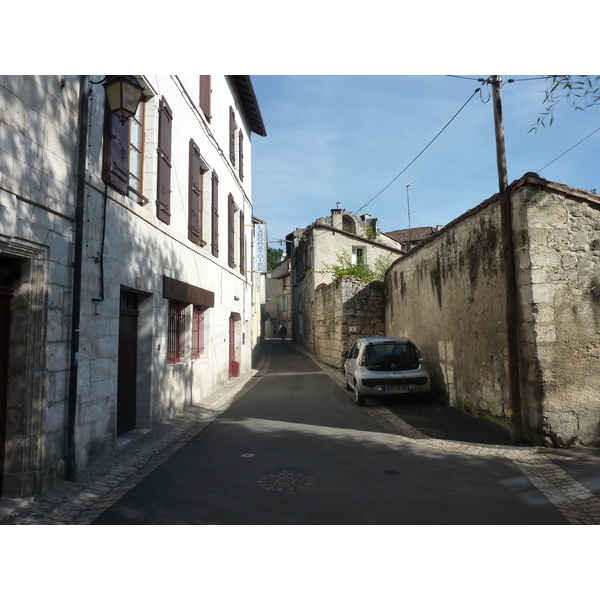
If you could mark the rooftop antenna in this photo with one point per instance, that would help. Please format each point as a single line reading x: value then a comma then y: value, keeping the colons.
x: 408, y: 184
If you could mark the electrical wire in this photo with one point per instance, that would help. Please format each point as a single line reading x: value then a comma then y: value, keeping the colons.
x: 418, y: 155
x: 569, y: 150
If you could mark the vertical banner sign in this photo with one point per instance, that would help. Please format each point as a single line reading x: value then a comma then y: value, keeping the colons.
x: 261, y: 247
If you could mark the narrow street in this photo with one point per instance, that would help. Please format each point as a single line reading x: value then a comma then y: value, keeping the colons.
x: 292, y: 447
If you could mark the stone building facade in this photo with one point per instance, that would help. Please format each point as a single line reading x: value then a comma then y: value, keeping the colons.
x: 448, y: 295
x: 160, y: 209
x: 278, y: 303
x: 313, y: 248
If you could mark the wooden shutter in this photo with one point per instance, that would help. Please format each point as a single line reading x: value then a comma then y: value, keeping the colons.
x: 116, y: 153
x: 165, y: 127
x: 232, y: 128
x: 205, y: 95
x: 241, y: 155
x: 231, y: 232
x: 215, y: 215
x: 242, y: 245
x: 195, y: 195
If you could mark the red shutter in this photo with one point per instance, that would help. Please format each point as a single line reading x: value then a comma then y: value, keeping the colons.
x: 242, y: 245
x: 116, y: 154
x: 215, y: 215
x: 165, y: 126
x: 231, y: 232
x: 195, y: 193
x: 205, y: 95
x: 232, y: 128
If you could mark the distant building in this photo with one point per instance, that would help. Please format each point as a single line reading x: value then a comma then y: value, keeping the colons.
x: 278, y: 299
x: 313, y: 248
x: 411, y: 237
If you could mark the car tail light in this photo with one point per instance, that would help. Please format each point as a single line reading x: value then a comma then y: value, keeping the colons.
x: 363, y: 359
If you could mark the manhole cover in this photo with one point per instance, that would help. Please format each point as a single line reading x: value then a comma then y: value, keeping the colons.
x: 285, y: 481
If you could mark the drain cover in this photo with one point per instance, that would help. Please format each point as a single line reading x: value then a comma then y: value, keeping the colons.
x: 285, y: 481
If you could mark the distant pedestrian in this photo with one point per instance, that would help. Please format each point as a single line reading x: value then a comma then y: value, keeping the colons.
x: 282, y: 332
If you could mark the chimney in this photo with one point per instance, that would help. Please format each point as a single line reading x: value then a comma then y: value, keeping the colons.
x: 336, y: 216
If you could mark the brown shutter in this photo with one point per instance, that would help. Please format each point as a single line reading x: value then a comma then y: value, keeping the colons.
x: 115, y: 163
x: 205, y: 95
x: 165, y: 126
x: 242, y: 245
x: 195, y: 194
x: 241, y: 157
x: 215, y: 215
x: 232, y: 128
x: 231, y: 232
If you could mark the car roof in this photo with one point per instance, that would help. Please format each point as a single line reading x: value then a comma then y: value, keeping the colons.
x: 383, y: 340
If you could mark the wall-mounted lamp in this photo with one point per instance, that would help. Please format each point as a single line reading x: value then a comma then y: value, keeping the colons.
x: 124, y: 94
x: 236, y: 298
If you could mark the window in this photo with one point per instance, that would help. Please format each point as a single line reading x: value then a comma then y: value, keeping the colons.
x: 165, y: 124
x: 215, y: 215
x: 195, y: 194
x: 284, y: 302
x: 242, y: 245
x: 136, y: 149
x: 176, y: 329
x: 205, y: 92
x: 358, y: 256
x: 241, y: 155
x: 232, y: 130
x: 231, y: 231
x: 197, y: 332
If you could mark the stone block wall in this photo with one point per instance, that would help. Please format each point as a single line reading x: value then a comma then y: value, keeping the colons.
x: 345, y: 312
x: 448, y: 295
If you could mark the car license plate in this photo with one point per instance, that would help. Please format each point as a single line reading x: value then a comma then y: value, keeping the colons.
x: 396, y: 389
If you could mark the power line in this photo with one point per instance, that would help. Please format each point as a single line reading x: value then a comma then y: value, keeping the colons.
x: 418, y: 155
x: 571, y: 148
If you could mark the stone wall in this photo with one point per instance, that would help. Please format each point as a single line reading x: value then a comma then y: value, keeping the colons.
x: 448, y: 295
x: 345, y: 312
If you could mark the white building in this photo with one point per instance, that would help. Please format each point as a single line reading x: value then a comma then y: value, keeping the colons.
x: 156, y: 216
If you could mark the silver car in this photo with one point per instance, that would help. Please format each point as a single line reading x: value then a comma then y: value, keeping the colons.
x: 382, y: 366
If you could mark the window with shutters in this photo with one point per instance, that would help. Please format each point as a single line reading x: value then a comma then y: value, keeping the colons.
x: 115, y: 163
x: 205, y: 93
x: 241, y: 155
x: 136, y: 149
x: 232, y: 135
x: 198, y: 331
x: 176, y: 333
x: 165, y: 128
x: 242, y: 245
x: 123, y: 154
x: 215, y: 215
x: 196, y: 196
x: 231, y: 231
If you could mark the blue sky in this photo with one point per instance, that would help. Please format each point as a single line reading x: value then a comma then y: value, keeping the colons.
x: 345, y: 138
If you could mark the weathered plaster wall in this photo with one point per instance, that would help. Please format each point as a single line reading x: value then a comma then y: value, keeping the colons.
x: 448, y: 295
x: 345, y: 312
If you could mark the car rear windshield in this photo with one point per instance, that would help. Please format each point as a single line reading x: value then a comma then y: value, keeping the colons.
x: 392, y: 357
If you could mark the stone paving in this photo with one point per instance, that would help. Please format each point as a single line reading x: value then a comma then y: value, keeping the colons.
x: 101, y: 485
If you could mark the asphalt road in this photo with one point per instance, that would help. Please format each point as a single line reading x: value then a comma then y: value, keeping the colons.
x: 296, y: 449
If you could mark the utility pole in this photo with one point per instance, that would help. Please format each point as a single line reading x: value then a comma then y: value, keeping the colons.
x: 509, y: 269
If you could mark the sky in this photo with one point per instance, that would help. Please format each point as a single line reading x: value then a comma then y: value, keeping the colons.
x: 347, y: 139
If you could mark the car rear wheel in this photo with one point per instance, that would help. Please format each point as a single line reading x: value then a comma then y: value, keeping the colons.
x: 360, y: 399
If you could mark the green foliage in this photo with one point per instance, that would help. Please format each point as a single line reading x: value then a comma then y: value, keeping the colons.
x: 274, y: 256
x: 578, y: 91
x: 344, y: 267
x: 369, y: 232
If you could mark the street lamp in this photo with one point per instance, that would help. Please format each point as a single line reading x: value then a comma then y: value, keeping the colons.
x: 123, y: 93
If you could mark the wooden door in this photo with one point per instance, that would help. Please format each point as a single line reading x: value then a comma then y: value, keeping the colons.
x: 5, y: 296
x: 127, y: 364
x: 234, y: 366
